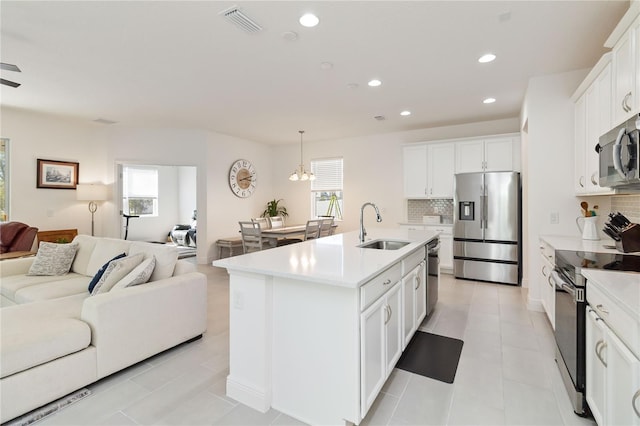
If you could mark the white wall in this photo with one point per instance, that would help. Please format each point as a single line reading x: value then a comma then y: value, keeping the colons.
x: 548, y: 166
x: 373, y: 171
x: 34, y: 136
x: 187, y: 196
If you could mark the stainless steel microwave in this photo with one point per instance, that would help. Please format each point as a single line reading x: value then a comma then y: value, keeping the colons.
x: 618, y: 151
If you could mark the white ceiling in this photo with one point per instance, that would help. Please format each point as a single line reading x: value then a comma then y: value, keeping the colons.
x: 180, y: 64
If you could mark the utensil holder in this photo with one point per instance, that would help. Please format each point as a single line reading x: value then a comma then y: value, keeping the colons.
x: 629, y: 239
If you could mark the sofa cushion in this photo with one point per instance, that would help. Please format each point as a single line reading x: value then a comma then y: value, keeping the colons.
x: 166, y: 258
x: 36, y: 333
x: 86, y: 244
x: 75, y: 284
x: 116, y: 271
x: 10, y: 285
x: 32, y: 343
x: 105, y: 249
x: 53, y: 259
x: 100, y: 272
x: 139, y: 275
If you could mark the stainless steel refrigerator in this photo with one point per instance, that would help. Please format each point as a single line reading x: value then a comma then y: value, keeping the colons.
x: 487, y: 230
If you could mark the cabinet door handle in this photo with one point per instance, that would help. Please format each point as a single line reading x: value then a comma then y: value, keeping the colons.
x: 387, y: 310
x: 603, y: 346
x: 417, y: 281
x: 633, y: 402
x: 601, y: 309
x: 550, y: 281
x: 581, y: 181
x: 593, y: 179
x: 543, y: 270
x: 387, y: 282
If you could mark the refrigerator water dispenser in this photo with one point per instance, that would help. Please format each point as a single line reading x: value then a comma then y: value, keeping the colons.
x: 466, y: 210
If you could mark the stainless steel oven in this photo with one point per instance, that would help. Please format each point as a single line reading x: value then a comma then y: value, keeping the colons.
x: 570, y: 332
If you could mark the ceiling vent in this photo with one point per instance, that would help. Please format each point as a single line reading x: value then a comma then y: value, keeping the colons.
x: 104, y: 121
x: 239, y: 19
x: 380, y: 117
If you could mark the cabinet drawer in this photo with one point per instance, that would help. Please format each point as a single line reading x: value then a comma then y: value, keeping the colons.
x: 412, y: 260
x: 625, y: 327
x: 379, y: 285
x: 444, y: 230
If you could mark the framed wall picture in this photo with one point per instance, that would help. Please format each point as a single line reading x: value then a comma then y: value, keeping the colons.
x: 57, y: 174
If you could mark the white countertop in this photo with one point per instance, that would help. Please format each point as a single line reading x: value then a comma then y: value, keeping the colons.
x: 426, y: 224
x: 335, y: 260
x: 622, y: 287
x: 578, y: 244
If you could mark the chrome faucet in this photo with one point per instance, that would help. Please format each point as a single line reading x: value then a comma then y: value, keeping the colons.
x: 363, y: 232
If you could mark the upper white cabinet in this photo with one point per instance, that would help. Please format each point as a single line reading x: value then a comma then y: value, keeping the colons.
x: 592, y: 112
x: 487, y: 155
x: 440, y: 163
x: 415, y: 171
x: 428, y: 170
x: 625, y: 73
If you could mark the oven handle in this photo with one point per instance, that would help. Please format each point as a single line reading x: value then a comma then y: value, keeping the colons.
x: 617, y: 154
x: 577, y: 294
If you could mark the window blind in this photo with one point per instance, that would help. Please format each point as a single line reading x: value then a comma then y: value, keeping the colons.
x: 328, y: 173
x: 140, y: 182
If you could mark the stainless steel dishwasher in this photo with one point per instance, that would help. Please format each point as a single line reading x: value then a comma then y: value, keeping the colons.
x: 433, y: 274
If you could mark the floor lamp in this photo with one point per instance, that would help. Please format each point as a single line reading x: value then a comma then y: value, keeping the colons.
x: 91, y: 193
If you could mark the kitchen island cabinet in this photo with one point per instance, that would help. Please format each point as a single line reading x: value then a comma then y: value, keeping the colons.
x: 316, y: 327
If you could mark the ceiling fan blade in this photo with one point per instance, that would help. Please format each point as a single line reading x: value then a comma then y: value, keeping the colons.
x: 9, y: 67
x: 9, y: 83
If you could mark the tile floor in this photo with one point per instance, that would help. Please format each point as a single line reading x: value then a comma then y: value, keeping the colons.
x: 506, y: 376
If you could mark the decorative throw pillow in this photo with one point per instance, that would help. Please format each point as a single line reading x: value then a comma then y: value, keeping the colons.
x: 100, y: 272
x: 116, y: 270
x: 139, y: 275
x: 53, y: 259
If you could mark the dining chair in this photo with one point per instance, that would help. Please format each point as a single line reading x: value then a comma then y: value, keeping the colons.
x: 312, y: 229
x: 263, y: 221
x: 326, y: 228
x: 276, y: 222
x: 251, y: 236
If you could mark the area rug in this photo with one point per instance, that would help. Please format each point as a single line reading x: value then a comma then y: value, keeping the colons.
x: 49, y: 409
x: 431, y: 355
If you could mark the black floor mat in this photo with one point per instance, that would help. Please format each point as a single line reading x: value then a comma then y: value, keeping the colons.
x: 432, y: 356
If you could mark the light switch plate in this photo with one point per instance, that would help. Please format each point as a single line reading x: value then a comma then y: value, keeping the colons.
x: 554, y: 218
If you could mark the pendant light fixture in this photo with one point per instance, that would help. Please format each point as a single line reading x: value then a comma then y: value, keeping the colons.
x: 300, y: 173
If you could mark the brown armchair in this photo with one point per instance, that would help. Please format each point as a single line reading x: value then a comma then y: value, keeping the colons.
x: 16, y: 236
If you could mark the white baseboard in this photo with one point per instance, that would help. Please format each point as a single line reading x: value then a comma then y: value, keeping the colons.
x: 247, y: 395
x: 535, y: 305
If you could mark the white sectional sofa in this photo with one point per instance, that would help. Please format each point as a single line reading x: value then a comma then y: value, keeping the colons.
x: 56, y: 337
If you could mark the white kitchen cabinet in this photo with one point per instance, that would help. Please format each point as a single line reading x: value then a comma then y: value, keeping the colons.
x: 612, y: 368
x: 429, y: 170
x: 414, y: 299
x: 446, y: 246
x: 415, y: 171
x: 381, y: 344
x: 487, y: 155
x: 441, y: 170
x: 595, y: 366
x: 547, y: 285
x: 624, y: 75
x: 592, y: 113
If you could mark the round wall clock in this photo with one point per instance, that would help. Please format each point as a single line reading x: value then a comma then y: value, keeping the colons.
x: 242, y: 178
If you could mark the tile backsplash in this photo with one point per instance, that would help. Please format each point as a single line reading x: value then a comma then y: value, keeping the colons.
x: 441, y: 206
x: 628, y: 206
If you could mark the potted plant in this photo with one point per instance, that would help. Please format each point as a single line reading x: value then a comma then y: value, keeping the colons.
x: 274, y: 209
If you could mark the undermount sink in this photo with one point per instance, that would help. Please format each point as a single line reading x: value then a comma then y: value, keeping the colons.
x: 384, y: 244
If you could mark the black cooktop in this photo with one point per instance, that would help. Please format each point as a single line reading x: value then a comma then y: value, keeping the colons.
x: 568, y: 259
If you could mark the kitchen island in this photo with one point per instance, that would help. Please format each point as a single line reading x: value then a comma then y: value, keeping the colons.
x: 317, y: 327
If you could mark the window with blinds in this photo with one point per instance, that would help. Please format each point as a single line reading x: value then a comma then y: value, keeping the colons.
x: 326, y: 189
x: 140, y: 191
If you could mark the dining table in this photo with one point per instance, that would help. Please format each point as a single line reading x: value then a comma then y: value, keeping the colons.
x: 273, y: 234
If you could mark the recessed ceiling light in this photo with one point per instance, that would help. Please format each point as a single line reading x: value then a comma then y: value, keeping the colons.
x: 290, y: 35
x: 489, y: 101
x: 352, y: 85
x: 487, y: 58
x: 326, y: 65
x: 309, y: 20
x: 405, y: 113
x: 374, y: 83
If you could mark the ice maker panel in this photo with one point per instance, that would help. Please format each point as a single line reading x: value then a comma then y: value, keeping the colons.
x: 466, y: 210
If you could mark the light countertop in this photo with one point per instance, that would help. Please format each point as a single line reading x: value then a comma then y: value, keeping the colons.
x: 622, y: 287
x: 335, y: 260
x: 578, y: 244
x: 425, y: 224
